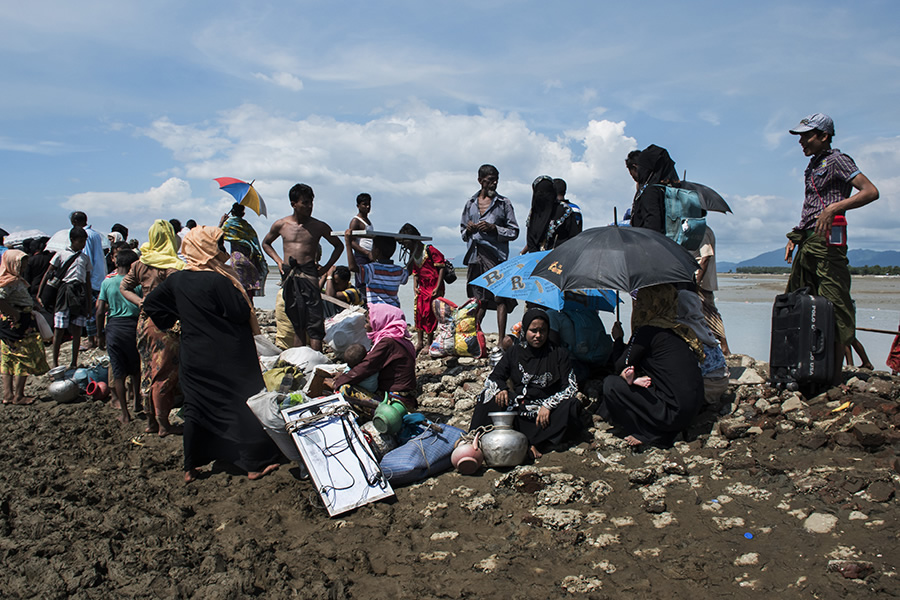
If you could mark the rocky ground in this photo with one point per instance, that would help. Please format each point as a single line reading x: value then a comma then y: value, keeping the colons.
x: 770, y: 493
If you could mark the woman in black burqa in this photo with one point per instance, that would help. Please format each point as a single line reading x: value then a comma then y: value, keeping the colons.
x: 550, y: 222
x: 219, y: 368
x: 543, y: 387
x: 655, y: 169
x: 659, y: 387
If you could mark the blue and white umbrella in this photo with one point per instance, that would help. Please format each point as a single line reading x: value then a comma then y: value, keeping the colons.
x: 512, y: 279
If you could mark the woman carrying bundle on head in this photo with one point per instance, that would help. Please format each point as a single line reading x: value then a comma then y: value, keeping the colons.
x: 246, y: 254
x: 543, y: 392
x: 428, y: 267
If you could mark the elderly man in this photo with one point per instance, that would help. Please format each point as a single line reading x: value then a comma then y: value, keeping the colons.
x: 820, y: 264
x: 488, y: 225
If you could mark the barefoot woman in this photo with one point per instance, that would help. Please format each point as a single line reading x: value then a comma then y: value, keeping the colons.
x: 21, y: 350
x: 219, y: 367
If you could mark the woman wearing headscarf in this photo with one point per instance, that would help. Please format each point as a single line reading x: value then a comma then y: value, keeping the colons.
x: 246, y: 253
x: 392, y: 357
x: 219, y: 366
x: 659, y: 389
x: 655, y: 169
x: 543, y: 387
x: 21, y: 350
x: 713, y: 368
x: 158, y: 348
x: 550, y: 221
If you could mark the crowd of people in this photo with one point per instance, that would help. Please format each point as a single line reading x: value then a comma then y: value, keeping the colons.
x: 177, y: 318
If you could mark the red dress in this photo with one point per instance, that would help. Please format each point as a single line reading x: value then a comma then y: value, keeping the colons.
x: 426, y: 268
x: 893, y: 360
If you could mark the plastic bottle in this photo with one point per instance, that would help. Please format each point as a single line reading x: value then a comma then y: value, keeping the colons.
x: 838, y: 236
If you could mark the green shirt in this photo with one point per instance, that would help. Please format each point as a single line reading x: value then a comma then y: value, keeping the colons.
x: 118, y: 305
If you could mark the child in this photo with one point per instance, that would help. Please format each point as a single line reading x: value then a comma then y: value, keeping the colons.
x: 428, y: 266
x: 121, y: 335
x: 73, y: 300
x: 381, y: 277
x: 355, y: 354
x: 362, y: 247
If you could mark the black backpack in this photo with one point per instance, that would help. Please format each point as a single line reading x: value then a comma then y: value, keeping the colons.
x: 54, y: 282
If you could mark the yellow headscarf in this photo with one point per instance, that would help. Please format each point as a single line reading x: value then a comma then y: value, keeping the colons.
x: 658, y: 306
x: 201, y: 249
x: 161, y: 249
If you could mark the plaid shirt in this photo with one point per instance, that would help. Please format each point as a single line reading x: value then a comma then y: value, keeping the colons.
x: 827, y: 181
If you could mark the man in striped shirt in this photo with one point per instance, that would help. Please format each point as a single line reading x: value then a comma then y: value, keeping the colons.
x: 829, y: 180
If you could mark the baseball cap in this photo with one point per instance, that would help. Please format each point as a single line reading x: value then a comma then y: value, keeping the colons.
x: 819, y: 121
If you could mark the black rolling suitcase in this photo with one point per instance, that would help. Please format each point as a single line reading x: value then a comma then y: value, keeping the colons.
x: 803, y: 336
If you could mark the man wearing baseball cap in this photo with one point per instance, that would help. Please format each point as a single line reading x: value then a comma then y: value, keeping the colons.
x: 830, y: 179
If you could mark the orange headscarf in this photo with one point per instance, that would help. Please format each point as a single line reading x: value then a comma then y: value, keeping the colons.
x: 201, y: 249
x: 11, y: 267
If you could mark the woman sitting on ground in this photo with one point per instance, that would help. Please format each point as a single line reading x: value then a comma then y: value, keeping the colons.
x: 392, y: 357
x: 659, y: 390
x: 219, y: 367
x: 21, y: 350
x: 543, y: 387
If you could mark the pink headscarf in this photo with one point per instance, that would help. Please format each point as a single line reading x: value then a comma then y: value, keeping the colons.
x: 11, y: 267
x: 388, y: 321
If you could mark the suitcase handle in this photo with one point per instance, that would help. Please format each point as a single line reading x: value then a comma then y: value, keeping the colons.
x: 819, y: 342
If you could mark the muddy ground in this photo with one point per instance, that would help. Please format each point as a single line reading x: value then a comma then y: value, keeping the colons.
x: 771, y: 493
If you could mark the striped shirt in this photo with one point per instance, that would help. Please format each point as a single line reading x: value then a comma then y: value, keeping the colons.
x: 382, y: 281
x: 827, y: 180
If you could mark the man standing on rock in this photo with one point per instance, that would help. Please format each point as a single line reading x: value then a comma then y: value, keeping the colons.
x: 300, y: 234
x: 708, y: 284
x: 821, y: 264
x: 488, y: 225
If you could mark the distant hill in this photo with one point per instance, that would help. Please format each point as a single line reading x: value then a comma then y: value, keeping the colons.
x: 858, y: 258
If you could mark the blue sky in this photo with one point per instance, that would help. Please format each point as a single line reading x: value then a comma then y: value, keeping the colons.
x: 128, y: 110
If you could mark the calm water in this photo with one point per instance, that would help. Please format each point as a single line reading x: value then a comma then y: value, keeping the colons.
x: 747, y: 324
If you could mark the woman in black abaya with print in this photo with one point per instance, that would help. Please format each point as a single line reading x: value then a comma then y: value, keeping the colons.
x: 219, y: 366
x: 543, y: 387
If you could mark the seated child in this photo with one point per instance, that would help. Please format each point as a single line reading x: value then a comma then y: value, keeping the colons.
x: 353, y: 355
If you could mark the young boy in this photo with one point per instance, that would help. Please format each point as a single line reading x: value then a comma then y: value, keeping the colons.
x: 73, y: 300
x: 121, y: 335
x: 300, y: 233
x: 381, y: 277
x: 355, y: 354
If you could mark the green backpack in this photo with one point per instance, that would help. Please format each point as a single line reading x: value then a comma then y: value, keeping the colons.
x: 685, y: 223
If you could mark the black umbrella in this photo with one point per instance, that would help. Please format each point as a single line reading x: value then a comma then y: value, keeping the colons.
x: 621, y: 258
x: 710, y: 199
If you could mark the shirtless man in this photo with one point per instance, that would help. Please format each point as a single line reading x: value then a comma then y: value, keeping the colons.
x: 300, y: 234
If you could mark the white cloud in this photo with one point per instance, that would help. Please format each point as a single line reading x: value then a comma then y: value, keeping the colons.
x: 285, y: 80
x: 170, y: 199
x: 418, y: 163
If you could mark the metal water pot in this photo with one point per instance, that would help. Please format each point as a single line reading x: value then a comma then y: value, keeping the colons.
x: 503, y: 446
x: 62, y: 389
